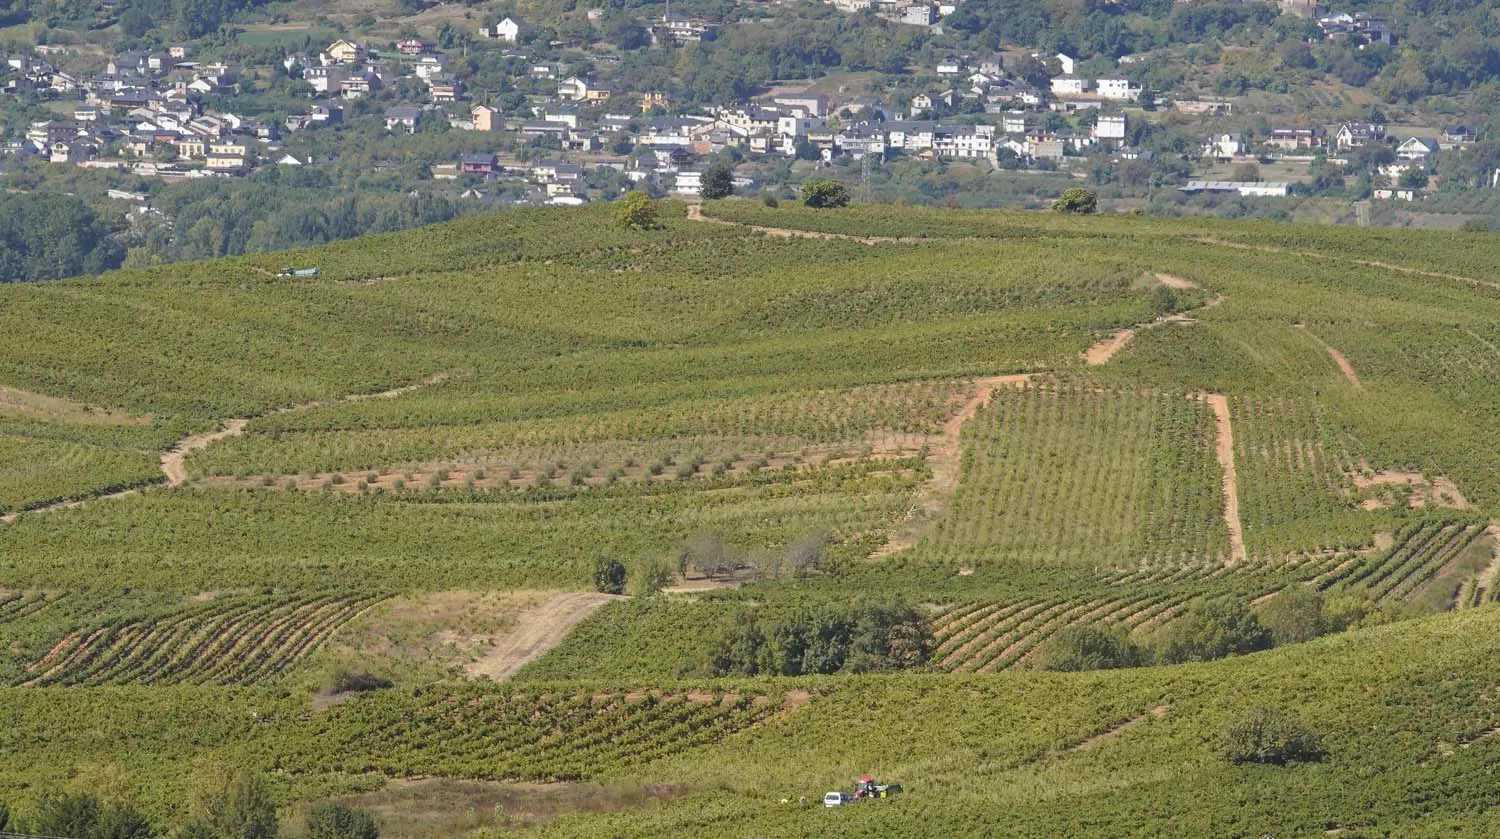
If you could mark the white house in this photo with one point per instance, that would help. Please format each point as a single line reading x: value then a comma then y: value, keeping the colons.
x: 689, y: 183
x: 1416, y: 148
x: 1068, y: 63
x: 1068, y: 85
x: 507, y: 30
x: 1117, y: 89
x: 1224, y: 146
x: 1109, y: 128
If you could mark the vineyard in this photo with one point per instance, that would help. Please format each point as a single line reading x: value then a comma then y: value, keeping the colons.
x: 546, y: 736
x: 835, y: 503
x: 225, y: 640
x: 1145, y: 461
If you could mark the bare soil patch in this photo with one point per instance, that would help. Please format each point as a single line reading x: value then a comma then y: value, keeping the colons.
x: 1419, y: 490
x: 442, y: 807
x: 1175, y: 282
x: 23, y: 403
x: 535, y: 632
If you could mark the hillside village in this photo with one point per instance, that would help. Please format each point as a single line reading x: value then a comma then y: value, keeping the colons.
x: 579, y: 135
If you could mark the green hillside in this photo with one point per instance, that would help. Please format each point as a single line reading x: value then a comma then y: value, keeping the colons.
x: 893, y: 467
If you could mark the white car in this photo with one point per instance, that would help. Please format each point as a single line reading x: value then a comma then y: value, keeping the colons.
x: 837, y: 799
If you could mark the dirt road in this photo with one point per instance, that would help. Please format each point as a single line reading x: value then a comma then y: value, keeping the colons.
x: 1224, y: 450
x: 536, y: 631
x: 944, y: 454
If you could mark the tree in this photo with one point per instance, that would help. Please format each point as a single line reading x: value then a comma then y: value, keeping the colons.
x: 1076, y: 200
x: 1413, y: 179
x: 83, y: 815
x: 136, y: 21
x: 609, y: 576
x: 1295, y: 614
x: 240, y: 808
x: 636, y: 211
x: 1087, y: 648
x: 718, y: 182
x: 1268, y: 735
x: 825, y: 193
x: 333, y: 820
x: 1211, y: 629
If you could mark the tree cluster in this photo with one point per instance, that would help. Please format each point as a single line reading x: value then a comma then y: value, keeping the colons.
x: 853, y: 638
x: 44, y: 237
x: 234, y: 807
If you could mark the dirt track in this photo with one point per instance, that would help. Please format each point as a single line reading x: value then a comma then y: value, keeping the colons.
x: 1225, y: 453
x: 1342, y: 362
x: 537, y: 630
x: 1104, y: 736
x: 943, y: 456
x: 174, y: 460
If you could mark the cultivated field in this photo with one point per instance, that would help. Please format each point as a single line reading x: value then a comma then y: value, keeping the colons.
x: 315, y: 521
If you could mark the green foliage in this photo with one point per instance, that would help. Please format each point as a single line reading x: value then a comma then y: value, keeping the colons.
x: 1076, y: 200
x: 82, y: 815
x: 43, y: 237
x: 823, y: 194
x: 609, y: 575
x: 1081, y: 648
x: 636, y: 211
x: 1294, y: 615
x: 241, y: 809
x: 718, y: 182
x: 863, y: 638
x: 1268, y: 735
x: 335, y: 820
x: 1211, y: 629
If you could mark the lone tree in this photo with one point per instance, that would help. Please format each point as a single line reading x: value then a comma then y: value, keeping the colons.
x: 1268, y: 735
x: 636, y: 211
x: 824, y: 193
x: 1076, y: 200
x: 718, y: 182
x: 609, y: 576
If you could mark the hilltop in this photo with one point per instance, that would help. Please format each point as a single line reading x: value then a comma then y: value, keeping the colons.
x: 863, y: 474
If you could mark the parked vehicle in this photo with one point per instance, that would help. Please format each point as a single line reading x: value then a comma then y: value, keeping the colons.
x: 837, y: 799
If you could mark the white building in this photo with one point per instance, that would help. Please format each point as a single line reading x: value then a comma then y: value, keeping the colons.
x: 1109, y: 128
x: 1117, y: 89
x: 1068, y: 85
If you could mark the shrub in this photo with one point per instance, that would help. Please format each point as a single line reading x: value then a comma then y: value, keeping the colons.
x: 609, y: 576
x: 1087, y: 648
x: 768, y: 198
x: 1211, y: 629
x: 332, y: 820
x: 636, y: 211
x: 824, y: 193
x: 344, y: 680
x: 1268, y: 735
x: 1076, y: 200
x: 1295, y: 614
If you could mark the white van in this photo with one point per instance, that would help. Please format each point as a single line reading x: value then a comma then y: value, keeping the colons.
x: 837, y: 799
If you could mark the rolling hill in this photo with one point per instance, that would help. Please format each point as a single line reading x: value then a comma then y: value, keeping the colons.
x: 918, y: 451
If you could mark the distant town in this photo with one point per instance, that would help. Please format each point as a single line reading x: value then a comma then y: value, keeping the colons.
x: 170, y: 115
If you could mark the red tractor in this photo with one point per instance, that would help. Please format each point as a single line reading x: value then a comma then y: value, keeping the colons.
x: 866, y: 787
